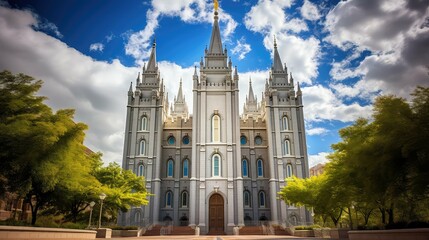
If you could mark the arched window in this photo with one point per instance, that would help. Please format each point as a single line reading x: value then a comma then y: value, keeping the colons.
x: 171, y: 140
x: 170, y: 168
x: 184, y: 199
x: 144, y: 123
x: 185, y: 170
x: 258, y: 140
x: 260, y: 166
x: 286, y: 147
x: 216, y: 128
x: 285, y: 123
x: 261, y: 199
x: 168, y: 199
x: 294, y: 220
x: 289, y: 171
x: 216, y: 164
x: 245, y: 168
x: 246, y: 198
x: 243, y: 140
x: 143, y: 147
x: 140, y: 170
x: 185, y: 140
x: 137, y: 217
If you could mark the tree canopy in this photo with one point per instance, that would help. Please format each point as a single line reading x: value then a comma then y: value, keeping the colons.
x: 380, y: 163
x: 43, y: 158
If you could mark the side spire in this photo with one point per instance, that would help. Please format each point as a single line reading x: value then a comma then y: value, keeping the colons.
x: 152, y: 66
x: 180, y: 98
x: 251, y: 94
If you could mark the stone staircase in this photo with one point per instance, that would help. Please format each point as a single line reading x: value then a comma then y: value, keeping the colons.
x: 153, y: 231
x: 280, y: 231
x: 159, y: 230
x: 182, y: 230
x: 251, y: 230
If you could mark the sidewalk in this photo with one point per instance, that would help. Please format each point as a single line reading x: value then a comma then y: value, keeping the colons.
x: 223, y: 237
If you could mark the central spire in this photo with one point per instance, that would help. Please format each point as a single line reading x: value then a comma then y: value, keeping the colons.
x: 215, y: 40
x: 277, y: 66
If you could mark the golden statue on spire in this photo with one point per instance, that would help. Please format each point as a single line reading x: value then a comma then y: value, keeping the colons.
x: 216, y: 5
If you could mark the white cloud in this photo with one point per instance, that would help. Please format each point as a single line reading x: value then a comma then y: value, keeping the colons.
x: 396, y: 37
x: 71, y: 79
x: 241, y: 49
x: 316, y: 131
x: 313, y: 160
x: 96, y: 47
x: 310, y: 11
x: 320, y: 104
x: 267, y: 17
x: 190, y: 11
x: 300, y: 55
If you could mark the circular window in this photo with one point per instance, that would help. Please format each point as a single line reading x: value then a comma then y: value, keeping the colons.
x: 243, y: 140
x: 171, y: 140
x: 185, y: 140
x: 258, y: 140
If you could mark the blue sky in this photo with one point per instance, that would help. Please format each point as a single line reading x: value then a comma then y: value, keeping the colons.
x: 343, y: 53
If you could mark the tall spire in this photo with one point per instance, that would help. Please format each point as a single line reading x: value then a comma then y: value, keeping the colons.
x: 151, y: 66
x: 251, y: 95
x: 180, y: 98
x: 215, y: 40
x: 277, y: 66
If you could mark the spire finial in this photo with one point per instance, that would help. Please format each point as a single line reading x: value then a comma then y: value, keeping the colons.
x: 216, y: 6
x: 275, y: 41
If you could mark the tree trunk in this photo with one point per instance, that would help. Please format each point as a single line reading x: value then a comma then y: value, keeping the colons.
x: 383, y: 215
x: 34, y: 213
x: 350, y: 217
x: 390, y: 212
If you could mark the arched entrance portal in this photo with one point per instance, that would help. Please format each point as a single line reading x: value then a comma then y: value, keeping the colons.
x: 216, y: 214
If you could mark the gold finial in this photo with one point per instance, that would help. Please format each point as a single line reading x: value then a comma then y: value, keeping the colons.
x: 216, y: 5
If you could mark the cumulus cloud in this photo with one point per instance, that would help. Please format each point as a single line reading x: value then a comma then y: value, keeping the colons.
x: 395, y: 35
x: 194, y: 11
x: 71, y: 79
x: 310, y: 11
x: 301, y: 55
x: 241, y: 49
x: 96, y: 47
x: 321, y: 104
x: 313, y: 160
x: 316, y: 131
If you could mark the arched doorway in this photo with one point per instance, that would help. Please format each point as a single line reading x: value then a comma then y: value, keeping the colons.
x: 216, y: 214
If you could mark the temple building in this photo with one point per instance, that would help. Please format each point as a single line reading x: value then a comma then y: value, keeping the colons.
x: 215, y: 168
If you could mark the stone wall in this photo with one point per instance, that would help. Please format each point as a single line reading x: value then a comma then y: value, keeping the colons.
x: 21, y: 233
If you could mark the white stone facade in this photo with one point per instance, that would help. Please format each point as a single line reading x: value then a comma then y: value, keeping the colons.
x: 215, y: 169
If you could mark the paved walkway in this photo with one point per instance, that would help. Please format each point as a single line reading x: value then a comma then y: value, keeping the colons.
x: 223, y: 237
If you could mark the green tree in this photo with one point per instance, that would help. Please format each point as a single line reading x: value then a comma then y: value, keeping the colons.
x: 39, y: 149
x: 72, y: 196
x: 122, y: 187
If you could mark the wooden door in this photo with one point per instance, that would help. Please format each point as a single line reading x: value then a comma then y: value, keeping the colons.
x: 216, y: 214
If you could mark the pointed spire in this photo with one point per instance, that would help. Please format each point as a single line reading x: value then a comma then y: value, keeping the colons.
x: 251, y: 95
x: 180, y: 98
x: 130, y: 91
x: 299, y: 93
x: 195, y: 71
x: 138, y: 79
x: 152, y: 66
x: 277, y: 66
x: 215, y: 40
